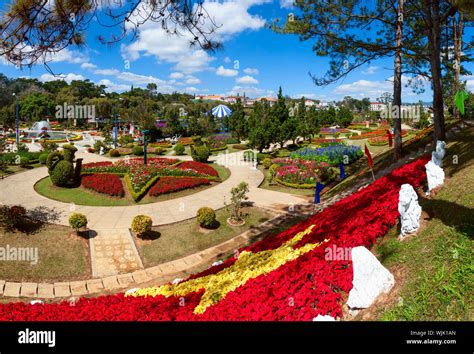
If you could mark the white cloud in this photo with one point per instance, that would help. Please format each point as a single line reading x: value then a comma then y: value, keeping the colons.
x: 246, y: 80
x: 251, y: 71
x: 191, y: 89
x: 227, y: 60
x: 191, y: 80
x: 88, y: 66
x: 221, y: 71
x: 176, y: 75
x: 68, y: 78
x: 372, y: 69
x: 286, y: 4
x: 249, y: 91
x: 232, y: 17
x: 113, y: 87
x: 67, y: 56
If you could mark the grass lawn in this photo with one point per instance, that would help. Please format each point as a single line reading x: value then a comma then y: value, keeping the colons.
x: 60, y: 255
x: 174, y: 241
x: 436, y: 266
x: 82, y: 196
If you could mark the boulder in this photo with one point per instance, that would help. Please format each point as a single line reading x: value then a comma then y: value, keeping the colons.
x: 409, y: 209
x: 435, y: 175
x: 325, y: 318
x: 370, y: 280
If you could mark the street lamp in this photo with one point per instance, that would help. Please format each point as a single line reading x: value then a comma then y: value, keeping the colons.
x: 116, y: 122
x: 145, y: 132
x: 17, y: 120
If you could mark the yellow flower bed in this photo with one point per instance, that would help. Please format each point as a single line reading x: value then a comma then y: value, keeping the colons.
x: 248, y: 266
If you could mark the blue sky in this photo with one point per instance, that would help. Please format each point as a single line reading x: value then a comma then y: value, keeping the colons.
x: 254, y: 60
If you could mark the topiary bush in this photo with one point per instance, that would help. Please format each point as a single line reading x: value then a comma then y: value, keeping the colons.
x: 42, y: 158
x: 206, y: 217
x: 69, y: 151
x: 141, y: 224
x: 138, y: 151
x: 160, y: 151
x: 62, y: 173
x: 114, y: 153
x: 24, y: 161
x: 77, y: 221
x: 267, y: 162
x: 200, y: 153
x: 179, y: 149
x: 53, y: 158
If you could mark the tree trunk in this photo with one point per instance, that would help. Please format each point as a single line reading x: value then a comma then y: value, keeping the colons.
x: 397, y: 83
x: 458, y: 30
x: 434, y: 44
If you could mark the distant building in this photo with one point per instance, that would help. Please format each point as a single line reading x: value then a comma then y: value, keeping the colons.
x: 310, y: 103
x: 377, y: 106
x: 270, y: 100
x: 210, y: 97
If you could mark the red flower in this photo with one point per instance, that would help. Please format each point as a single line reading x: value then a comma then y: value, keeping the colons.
x: 174, y: 184
x: 106, y: 183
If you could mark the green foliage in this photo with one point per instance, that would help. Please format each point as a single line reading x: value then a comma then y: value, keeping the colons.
x: 100, y: 144
x: 261, y: 157
x: 200, y: 153
x: 160, y: 151
x: 206, y: 217
x: 53, y: 158
x: 239, y: 195
x: 36, y: 106
x: 249, y: 156
x: 272, y: 171
x: 49, y: 146
x: 68, y: 152
x: 43, y: 158
x: 179, y: 149
x: 77, y: 221
x: 138, y: 151
x: 24, y: 161
x: 344, y: 117
x: 62, y: 173
x: 125, y: 139
x: 22, y: 148
x: 141, y: 224
x: 267, y: 162
x: 263, y: 128
x: 238, y: 124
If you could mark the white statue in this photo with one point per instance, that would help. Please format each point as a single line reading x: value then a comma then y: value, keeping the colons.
x: 370, y: 279
x: 438, y: 155
x: 435, y: 175
x: 409, y: 209
x: 101, y: 150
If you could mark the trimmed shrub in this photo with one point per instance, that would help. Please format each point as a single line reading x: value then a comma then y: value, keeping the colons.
x: 125, y: 139
x: 62, y: 172
x: 261, y: 157
x: 197, y: 140
x: 267, y: 162
x: 53, y: 159
x: 69, y: 151
x: 240, y: 146
x: 272, y: 171
x: 138, y: 151
x: 77, y: 221
x: 179, y: 149
x: 200, y: 153
x: 232, y: 141
x: 24, y: 161
x: 160, y: 151
x: 114, y: 153
x: 141, y: 224
x: 206, y: 217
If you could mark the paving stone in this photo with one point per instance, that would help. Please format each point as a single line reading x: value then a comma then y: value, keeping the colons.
x: 12, y: 289
x: 94, y: 286
x: 124, y: 279
x: 78, y: 288
x: 140, y: 276
x: 110, y: 283
x: 2, y: 285
x: 28, y: 289
x: 45, y: 291
x: 154, y: 272
x: 62, y: 290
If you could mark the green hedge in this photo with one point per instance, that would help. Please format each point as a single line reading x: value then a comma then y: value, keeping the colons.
x: 292, y: 185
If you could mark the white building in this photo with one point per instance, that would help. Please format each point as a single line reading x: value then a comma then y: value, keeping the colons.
x: 377, y: 106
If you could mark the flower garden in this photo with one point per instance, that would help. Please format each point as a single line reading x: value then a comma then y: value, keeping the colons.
x: 280, y: 278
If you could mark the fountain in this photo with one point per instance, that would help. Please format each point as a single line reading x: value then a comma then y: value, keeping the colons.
x: 42, y: 131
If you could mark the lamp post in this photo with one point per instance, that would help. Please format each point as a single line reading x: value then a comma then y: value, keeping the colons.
x: 116, y: 122
x: 145, y: 142
x: 17, y: 120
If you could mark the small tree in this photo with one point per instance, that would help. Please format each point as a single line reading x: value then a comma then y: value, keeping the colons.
x: 77, y: 221
x: 239, y: 194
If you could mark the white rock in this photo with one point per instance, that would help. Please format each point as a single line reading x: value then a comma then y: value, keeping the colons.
x: 36, y: 302
x: 409, y: 209
x: 216, y: 263
x: 131, y: 291
x: 438, y: 155
x: 176, y: 281
x: 435, y: 175
x: 370, y: 280
x: 325, y: 318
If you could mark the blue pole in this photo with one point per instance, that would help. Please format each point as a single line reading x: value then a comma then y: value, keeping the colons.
x: 145, y: 147
x: 115, y: 129
x: 317, y: 196
x: 342, y: 173
x: 17, y: 122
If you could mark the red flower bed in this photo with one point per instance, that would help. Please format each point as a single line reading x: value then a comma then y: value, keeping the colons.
x: 173, y: 184
x: 198, y: 167
x: 106, y: 183
x: 300, y: 289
